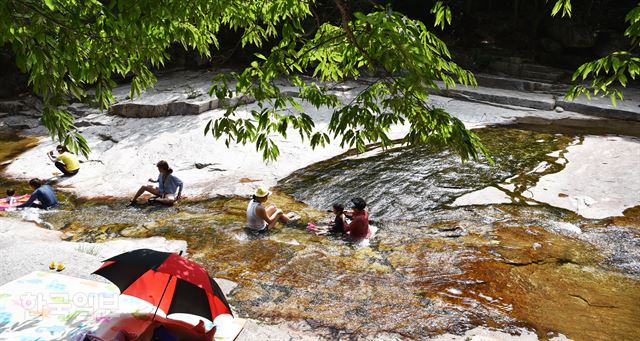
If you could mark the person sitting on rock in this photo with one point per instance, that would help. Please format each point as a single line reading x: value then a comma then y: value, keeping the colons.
x: 66, y: 162
x: 168, y: 185
x: 358, y: 228
x: 42, y: 193
x: 261, y: 218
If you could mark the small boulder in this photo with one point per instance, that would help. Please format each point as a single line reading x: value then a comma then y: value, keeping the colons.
x: 202, y: 165
x: 66, y: 236
x: 559, y: 109
x: 107, y: 137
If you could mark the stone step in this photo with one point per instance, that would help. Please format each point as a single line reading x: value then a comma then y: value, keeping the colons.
x: 505, y: 67
x: 11, y: 106
x: 527, y: 70
x: 597, y: 106
x: 175, y: 108
x: 604, y: 108
x: 545, y: 76
x: 502, y: 96
x: 526, y: 85
x: 542, y: 68
x: 152, y: 107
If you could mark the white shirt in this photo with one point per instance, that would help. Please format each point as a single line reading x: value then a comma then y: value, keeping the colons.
x: 254, y: 222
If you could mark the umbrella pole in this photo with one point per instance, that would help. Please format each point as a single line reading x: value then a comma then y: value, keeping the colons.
x: 165, y: 290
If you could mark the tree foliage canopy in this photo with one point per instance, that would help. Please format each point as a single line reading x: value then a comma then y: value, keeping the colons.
x: 407, y: 56
x: 69, y: 46
x: 607, y: 74
x: 66, y: 46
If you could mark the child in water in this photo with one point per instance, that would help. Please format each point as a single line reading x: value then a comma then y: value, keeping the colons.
x: 11, y: 199
x: 336, y: 226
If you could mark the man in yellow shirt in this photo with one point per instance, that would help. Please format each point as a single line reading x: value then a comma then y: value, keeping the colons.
x: 66, y: 162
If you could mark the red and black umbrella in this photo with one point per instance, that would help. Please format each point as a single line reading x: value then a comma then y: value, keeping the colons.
x: 168, y: 281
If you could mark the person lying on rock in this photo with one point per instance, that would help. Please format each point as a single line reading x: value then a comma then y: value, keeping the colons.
x: 42, y: 193
x: 168, y: 185
x: 66, y: 162
x: 261, y: 218
x: 358, y: 228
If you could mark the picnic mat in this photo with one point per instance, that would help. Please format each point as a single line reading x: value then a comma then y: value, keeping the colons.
x: 52, y: 306
x: 20, y: 199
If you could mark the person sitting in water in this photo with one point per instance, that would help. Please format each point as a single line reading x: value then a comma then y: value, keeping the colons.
x: 261, y: 218
x: 335, y: 226
x: 358, y: 228
x: 339, y: 222
x: 66, y: 162
x: 168, y: 185
x: 11, y: 199
x: 42, y: 193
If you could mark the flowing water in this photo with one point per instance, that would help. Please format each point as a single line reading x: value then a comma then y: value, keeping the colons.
x: 432, y: 268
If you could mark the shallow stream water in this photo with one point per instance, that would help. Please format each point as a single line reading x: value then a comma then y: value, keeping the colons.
x: 432, y: 268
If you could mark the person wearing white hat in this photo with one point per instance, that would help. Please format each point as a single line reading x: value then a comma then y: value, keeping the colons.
x: 260, y: 218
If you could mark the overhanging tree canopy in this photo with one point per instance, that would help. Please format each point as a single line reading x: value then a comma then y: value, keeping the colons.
x: 68, y: 45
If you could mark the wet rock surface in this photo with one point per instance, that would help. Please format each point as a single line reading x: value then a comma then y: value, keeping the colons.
x: 431, y: 269
x: 497, y: 266
x: 402, y: 186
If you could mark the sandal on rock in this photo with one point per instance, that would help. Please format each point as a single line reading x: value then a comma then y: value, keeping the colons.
x: 293, y: 216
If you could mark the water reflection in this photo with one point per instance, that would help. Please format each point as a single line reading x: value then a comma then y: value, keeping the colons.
x: 410, y: 183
